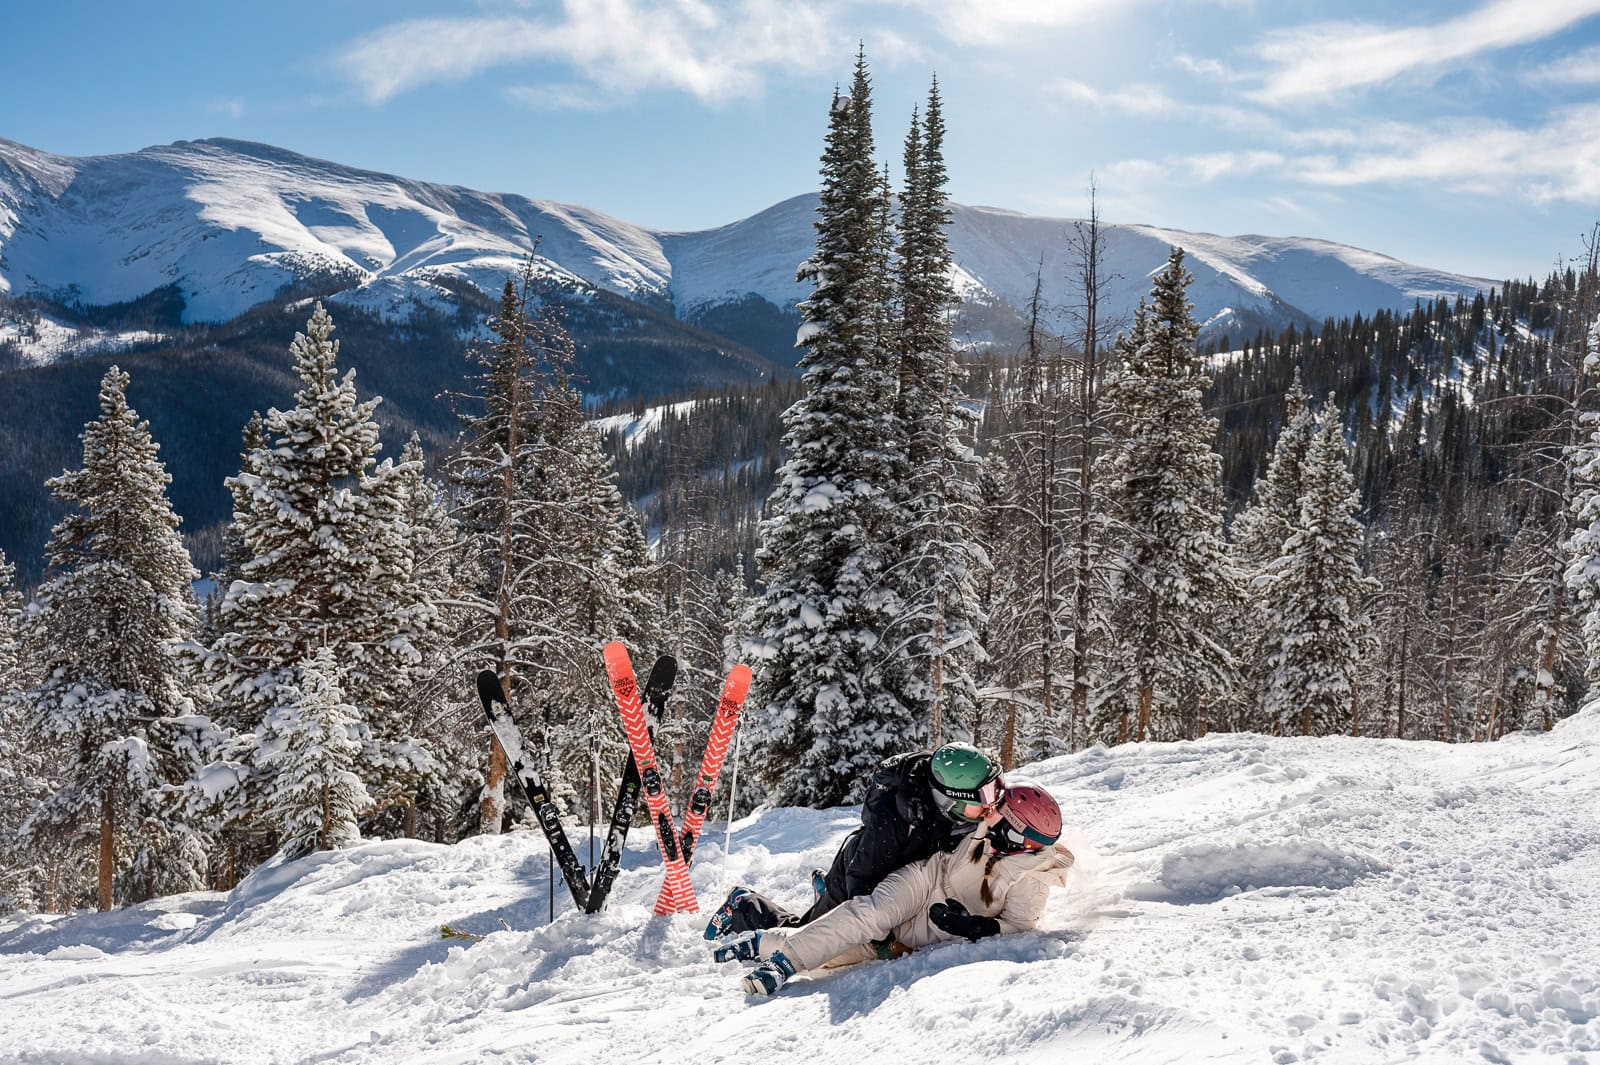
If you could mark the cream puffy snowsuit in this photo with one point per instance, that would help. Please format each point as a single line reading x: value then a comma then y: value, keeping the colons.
x: 1018, y: 884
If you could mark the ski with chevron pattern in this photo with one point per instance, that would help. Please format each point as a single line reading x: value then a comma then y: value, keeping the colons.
x: 677, y: 894
x: 657, y: 687
x: 734, y: 690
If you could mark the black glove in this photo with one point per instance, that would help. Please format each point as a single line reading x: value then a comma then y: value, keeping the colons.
x: 950, y: 916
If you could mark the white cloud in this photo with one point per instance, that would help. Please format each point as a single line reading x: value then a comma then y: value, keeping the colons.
x: 231, y: 106
x: 1557, y: 161
x: 1579, y: 68
x: 989, y: 22
x: 1320, y: 60
x: 621, y: 46
x: 558, y: 98
x: 1142, y: 100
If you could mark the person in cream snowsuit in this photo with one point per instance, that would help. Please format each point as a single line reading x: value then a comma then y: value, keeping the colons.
x: 996, y: 881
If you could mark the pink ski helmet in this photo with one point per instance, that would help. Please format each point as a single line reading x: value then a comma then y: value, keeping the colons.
x: 1030, y: 819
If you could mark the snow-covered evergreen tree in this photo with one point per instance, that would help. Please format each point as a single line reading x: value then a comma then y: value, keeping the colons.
x: 558, y: 563
x: 11, y: 673
x: 22, y: 786
x: 940, y: 561
x: 424, y: 713
x: 1025, y: 514
x: 330, y: 566
x: 830, y: 698
x: 1260, y: 530
x: 1314, y: 597
x: 308, y: 751
x: 1583, y: 546
x: 1174, y: 574
x: 1259, y: 533
x: 235, y: 553
x: 102, y: 634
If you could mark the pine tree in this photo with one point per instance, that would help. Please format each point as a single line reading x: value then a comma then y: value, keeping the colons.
x: 330, y: 565
x: 437, y: 709
x: 939, y: 562
x: 308, y: 752
x: 1027, y: 636
x: 102, y: 634
x: 558, y: 562
x: 22, y: 786
x: 1317, y: 621
x: 11, y: 672
x: 830, y: 700
x: 1583, y: 461
x: 1174, y: 574
x: 1259, y: 534
x: 234, y: 551
x: 1261, y: 529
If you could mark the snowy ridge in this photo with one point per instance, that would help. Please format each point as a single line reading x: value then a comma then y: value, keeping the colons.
x: 1238, y: 899
x: 233, y: 222
x: 45, y: 340
x: 634, y: 429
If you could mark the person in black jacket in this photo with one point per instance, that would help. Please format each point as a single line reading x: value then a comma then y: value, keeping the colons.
x: 916, y: 806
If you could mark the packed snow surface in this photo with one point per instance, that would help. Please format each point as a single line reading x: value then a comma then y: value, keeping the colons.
x: 1238, y: 899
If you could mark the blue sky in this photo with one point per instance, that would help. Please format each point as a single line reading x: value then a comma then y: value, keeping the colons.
x: 1464, y: 136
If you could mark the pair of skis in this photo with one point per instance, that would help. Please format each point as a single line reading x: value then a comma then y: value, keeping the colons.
x: 641, y: 772
x: 589, y: 896
x: 677, y: 893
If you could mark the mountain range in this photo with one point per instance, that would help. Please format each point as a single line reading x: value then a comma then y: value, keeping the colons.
x: 232, y: 224
x: 193, y: 264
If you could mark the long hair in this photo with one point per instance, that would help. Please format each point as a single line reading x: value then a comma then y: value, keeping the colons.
x: 986, y: 892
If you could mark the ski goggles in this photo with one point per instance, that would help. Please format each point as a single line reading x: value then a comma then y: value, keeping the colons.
x: 1007, y: 838
x: 957, y: 800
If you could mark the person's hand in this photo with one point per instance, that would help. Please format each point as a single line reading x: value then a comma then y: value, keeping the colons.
x: 952, y: 917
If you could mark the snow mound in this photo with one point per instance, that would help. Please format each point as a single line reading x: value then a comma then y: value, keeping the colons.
x: 1238, y: 899
x: 1208, y: 872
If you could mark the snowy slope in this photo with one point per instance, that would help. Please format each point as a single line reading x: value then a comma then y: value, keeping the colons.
x: 1241, y: 899
x: 232, y: 222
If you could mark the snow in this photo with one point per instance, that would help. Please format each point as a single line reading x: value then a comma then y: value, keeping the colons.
x: 50, y: 340
x: 1238, y: 899
x: 232, y: 222
x: 634, y: 429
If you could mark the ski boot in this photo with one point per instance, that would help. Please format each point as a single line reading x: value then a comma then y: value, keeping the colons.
x: 720, y: 921
x: 769, y: 977
x: 741, y: 946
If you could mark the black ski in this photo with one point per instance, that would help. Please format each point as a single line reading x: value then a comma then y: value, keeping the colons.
x: 656, y: 690
x: 498, y: 711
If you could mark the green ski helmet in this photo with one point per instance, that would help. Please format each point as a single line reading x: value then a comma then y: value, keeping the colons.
x: 962, y: 779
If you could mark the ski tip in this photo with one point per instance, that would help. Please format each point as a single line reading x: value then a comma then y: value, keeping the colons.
x: 738, y: 684
x: 664, y: 672
x: 618, y: 664
x: 489, y: 689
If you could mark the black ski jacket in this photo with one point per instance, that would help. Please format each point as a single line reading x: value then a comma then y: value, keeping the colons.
x: 899, y: 825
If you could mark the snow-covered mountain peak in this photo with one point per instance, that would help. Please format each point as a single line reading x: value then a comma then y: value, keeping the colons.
x: 234, y: 222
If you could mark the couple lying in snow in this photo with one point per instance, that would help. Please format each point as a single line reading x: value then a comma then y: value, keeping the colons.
x: 946, y: 849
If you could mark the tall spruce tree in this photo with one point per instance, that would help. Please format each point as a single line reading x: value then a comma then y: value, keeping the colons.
x: 558, y: 562
x: 940, y: 562
x: 330, y: 566
x: 1173, y: 574
x: 830, y: 700
x: 308, y: 753
x: 22, y: 784
x: 1316, y: 615
x: 1259, y: 533
x: 102, y: 633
